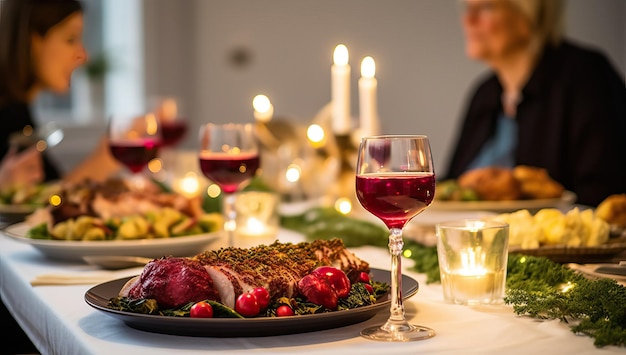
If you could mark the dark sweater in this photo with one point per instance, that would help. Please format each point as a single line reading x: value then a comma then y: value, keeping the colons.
x: 13, y: 118
x: 572, y: 122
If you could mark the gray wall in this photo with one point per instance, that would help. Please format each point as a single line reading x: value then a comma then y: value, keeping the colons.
x: 423, y: 75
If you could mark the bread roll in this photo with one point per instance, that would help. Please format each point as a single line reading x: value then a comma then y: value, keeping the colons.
x: 535, y: 183
x: 491, y: 183
x: 613, y: 210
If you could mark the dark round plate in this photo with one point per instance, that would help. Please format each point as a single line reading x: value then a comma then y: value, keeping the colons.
x: 98, y: 297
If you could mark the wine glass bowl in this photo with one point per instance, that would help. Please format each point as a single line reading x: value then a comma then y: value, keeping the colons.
x: 229, y: 156
x: 395, y: 181
x: 134, y: 140
x: 173, y: 126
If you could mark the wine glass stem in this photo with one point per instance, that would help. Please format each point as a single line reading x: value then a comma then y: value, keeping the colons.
x: 395, y: 248
x: 230, y: 224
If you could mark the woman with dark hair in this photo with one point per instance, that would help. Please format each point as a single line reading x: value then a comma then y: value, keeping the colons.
x: 40, y: 46
x: 548, y: 102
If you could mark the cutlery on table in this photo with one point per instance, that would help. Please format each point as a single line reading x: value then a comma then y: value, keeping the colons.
x: 116, y: 262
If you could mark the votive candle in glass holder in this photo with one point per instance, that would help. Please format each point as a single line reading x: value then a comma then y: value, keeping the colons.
x: 257, y: 214
x: 473, y: 256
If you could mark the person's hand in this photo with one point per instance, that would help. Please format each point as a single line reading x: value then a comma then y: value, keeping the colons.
x: 23, y: 169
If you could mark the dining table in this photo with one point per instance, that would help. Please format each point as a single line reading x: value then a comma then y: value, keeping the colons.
x: 58, y: 320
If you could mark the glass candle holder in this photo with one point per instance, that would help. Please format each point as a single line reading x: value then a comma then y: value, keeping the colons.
x: 257, y: 214
x: 473, y: 256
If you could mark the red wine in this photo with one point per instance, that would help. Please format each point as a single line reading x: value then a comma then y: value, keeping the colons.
x: 395, y: 198
x: 173, y: 131
x: 229, y: 170
x: 135, y: 155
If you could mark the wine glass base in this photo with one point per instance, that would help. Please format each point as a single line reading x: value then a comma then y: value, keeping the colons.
x: 407, y: 332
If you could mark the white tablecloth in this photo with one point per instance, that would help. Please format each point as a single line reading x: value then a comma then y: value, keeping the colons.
x: 58, y: 320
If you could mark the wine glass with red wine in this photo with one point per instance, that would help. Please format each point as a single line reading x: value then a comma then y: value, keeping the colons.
x: 395, y: 186
x: 134, y: 140
x: 229, y: 156
x: 173, y: 125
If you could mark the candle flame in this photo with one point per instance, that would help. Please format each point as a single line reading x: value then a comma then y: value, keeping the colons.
x: 315, y: 133
x: 152, y: 125
x: 340, y: 56
x: 472, y: 261
x: 343, y: 205
x: 368, y: 67
x: 261, y: 103
x: 190, y: 184
x: 293, y: 173
x: 263, y: 109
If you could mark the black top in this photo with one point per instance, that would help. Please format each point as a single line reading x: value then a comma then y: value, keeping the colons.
x: 572, y: 122
x: 13, y: 118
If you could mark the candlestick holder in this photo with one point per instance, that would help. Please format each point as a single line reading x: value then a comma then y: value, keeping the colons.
x: 473, y: 255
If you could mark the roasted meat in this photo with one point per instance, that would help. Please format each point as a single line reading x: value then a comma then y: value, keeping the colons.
x: 224, y: 274
x: 176, y: 281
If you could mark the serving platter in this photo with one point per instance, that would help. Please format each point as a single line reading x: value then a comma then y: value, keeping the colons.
x: 99, y: 295
x: 150, y: 248
x: 564, y: 254
x: 567, y: 199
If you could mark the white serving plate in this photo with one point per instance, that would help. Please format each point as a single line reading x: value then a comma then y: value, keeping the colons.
x: 567, y: 199
x: 150, y: 248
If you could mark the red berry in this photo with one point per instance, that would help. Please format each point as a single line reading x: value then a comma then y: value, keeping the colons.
x: 284, y: 311
x: 262, y: 296
x: 247, y: 305
x: 337, y: 279
x: 364, y: 277
x: 318, y: 290
x: 369, y: 288
x: 201, y: 309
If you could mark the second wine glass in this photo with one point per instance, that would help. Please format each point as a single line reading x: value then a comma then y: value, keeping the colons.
x: 395, y: 181
x: 229, y: 156
x: 134, y: 140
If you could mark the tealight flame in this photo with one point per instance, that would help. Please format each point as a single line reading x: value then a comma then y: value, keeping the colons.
x: 472, y: 261
x: 190, y: 184
x: 293, y: 173
x: 340, y: 55
x: 368, y: 67
x: 343, y: 205
x: 315, y: 133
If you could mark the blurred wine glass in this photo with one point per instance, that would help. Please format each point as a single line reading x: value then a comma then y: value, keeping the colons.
x: 134, y: 140
x: 228, y: 156
x: 173, y: 126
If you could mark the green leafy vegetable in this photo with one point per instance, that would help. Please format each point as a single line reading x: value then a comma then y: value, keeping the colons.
x: 359, y: 296
x: 40, y: 231
x: 144, y: 306
x: 326, y: 223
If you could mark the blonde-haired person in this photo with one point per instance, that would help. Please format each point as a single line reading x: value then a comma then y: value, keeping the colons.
x: 547, y: 102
